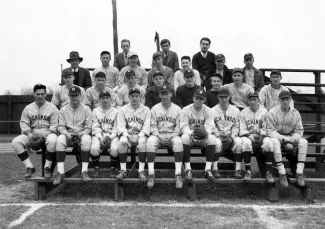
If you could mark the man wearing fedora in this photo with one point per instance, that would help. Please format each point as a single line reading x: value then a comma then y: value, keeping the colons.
x: 81, y: 75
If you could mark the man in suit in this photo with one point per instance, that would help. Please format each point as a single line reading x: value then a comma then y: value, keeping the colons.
x: 81, y: 75
x: 121, y: 59
x: 170, y: 58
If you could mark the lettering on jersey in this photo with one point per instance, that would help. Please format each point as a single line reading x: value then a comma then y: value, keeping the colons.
x: 281, y: 123
x: 227, y: 118
x: 106, y: 121
x: 166, y: 119
x: 40, y: 117
x: 196, y: 121
x: 135, y: 119
x: 255, y: 122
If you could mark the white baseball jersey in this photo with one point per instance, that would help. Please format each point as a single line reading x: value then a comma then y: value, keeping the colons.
x: 269, y: 97
x: 133, y: 121
x: 122, y: 95
x: 111, y: 73
x: 39, y: 120
x: 239, y: 95
x: 280, y: 124
x: 165, y: 121
x: 104, y: 121
x: 91, y: 98
x: 225, y: 120
x: 140, y: 75
x: 253, y: 122
x: 75, y: 120
x: 61, y: 98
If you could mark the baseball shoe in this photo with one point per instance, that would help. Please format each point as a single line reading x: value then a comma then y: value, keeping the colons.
x: 96, y: 172
x: 269, y: 177
x: 248, y: 176
x: 283, y: 180
x: 47, y: 173
x: 179, y: 181
x: 188, y: 175
x: 216, y: 174
x: 121, y: 175
x: 143, y: 177
x: 238, y: 174
x: 30, y: 172
x: 112, y: 172
x: 300, y: 179
x: 151, y: 181
x: 85, y: 177
x: 58, y: 179
x: 208, y: 175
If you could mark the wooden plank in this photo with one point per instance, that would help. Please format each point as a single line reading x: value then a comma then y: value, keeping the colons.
x: 73, y: 171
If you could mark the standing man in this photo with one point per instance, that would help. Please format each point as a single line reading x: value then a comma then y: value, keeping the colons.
x: 252, y: 76
x: 284, y: 126
x: 221, y: 69
x: 39, y: 120
x: 81, y: 75
x: 121, y: 59
x: 204, y: 60
x: 159, y: 67
x: 111, y: 72
x: 75, y: 128
x: 170, y: 58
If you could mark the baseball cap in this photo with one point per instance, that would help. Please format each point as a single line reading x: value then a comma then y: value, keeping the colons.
x: 165, y: 88
x: 103, y: 93
x: 129, y: 72
x: 220, y: 57
x: 284, y: 94
x: 100, y: 74
x: 134, y: 90
x: 223, y: 92
x: 237, y: 70
x: 157, y: 73
x: 275, y: 72
x: 248, y: 55
x: 201, y: 93
x: 74, y: 90
x: 39, y: 86
x: 132, y: 54
x: 66, y: 72
x: 188, y: 72
x: 252, y: 95
x: 156, y: 54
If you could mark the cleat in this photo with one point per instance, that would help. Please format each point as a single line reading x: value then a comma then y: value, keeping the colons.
x: 96, y: 172
x: 216, y: 174
x: 248, y: 176
x: 47, y: 173
x: 151, y: 181
x: 143, y: 177
x: 179, y: 181
x: 208, y: 175
x: 112, y: 172
x: 300, y: 179
x: 188, y: 175
x: 238, y: 174
x: 30, y: 172
x: 283, y: 180
x: 85, y: 177
x: 58, y: 179
x: 121, y: 175
x: 269, y: 177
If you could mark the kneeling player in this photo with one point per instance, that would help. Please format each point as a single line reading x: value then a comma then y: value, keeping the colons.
x: 285, y: 128
x: 165, y: 131
x: 133, y: 124
x: 194, y: 125
x: 253, y: 135
x: 38, y: 123
x: 75, y: 127
x: 104, y: 133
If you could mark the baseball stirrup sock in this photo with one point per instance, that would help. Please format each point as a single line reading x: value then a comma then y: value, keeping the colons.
x: 95, y: 160
x: 178, y: 156
x: 238, y: 157
x: 84, y: 167
x: 280, y: 167
x: 61, y: 167
x: 300, y: 167
x: 210, y: 150
x: 216, y: 157
x: 178, y: 168
x: 208, y: 165
x: 123, y: 166
x: 215, y: 165
x: 187, y: 166
x: 151, y: 168
x: 247, y: 160
x: 268, y: 160
x: 141, y: 166
x: 23, y: 156
x: 60, y: 156
x: 151, y: 157
x: 49, y: 156
x: 187, y: 153
x: 142, y: 157
x: 85, y: 156
x: 114, y: 162
x: 122, y: 157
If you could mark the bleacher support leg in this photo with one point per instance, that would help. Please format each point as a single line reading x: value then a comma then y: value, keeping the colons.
x: 273, y: 192
x: 40, y: 190
x: 308, y: 193
x: 191, y: 191
x: 121, y: 191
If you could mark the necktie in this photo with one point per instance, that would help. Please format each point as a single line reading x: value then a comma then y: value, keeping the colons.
x: 125, y: 59
x: 165, y: 60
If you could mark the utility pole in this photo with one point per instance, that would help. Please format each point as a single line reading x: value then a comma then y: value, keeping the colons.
x: 157, y: 41
x: 115, y: 37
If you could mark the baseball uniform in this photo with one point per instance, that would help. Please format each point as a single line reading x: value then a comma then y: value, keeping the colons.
x: 239, y: 95
x: 111, y: 73
x: 269, y: 96
x: 140, y: 75
x: 122, y: 95
x: 91, y: 98
x: 61, y: 98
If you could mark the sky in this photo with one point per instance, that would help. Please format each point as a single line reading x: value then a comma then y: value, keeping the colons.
x: 37, y: 35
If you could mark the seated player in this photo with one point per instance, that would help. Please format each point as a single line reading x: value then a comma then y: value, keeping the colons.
x: 285, y: 129
x: 122, y: 95
x: 164, y: 128
x: 238, y: 89
x: 157, y: 62
x: 252, y: 76
x: 60, y: 97
x: 253, y: 135
x: 226, y: 128
x: 194, y: 125
x: 269, y: 94
x: 133, y: 125
x: 74, y: 128
x: 91, y: 98
x: 212, y: 95
x: 104, y: 133
x: 38, y: 124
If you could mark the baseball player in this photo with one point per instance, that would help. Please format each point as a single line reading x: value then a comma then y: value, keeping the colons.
x: 133, y: 125
x: 269, y: 94
x: 104, y: 133
x: 284, y: 126
x: 196, y: 130
x: 165, y: 131
x: 91, y: 98
x: 253, y: 135
x: 60, y: 97
x: 226, y: 128
x: 39, y: 120
x: 75, y: 127
x: 122, y: 95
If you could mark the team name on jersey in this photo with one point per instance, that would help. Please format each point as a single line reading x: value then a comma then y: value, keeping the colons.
x: 281, y: 123
x: 196, y: 121
x: 135, y: 119
x: 40, y: 117
x: 166, y: 119
x: 227, y: 118
x: 106, y: 121
x: 254, y: 122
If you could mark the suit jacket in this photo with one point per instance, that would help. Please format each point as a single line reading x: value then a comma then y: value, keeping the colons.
x: 172, y: 60
x: 119, y: 61
x: 227, y: 77
x: 84, y: 78
x: 258, y: 79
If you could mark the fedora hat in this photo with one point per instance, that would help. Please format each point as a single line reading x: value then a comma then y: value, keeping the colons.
x: 74, y: 55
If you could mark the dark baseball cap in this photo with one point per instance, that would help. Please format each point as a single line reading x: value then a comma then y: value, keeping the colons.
x: 237, y: 70
x: 156, y: 54
x: 223, y: 92
x: 66, y: 72
x: 188, y: 72
x: 129, y: 72
x: 284, y: 94
x: 74, y: 90
x: 201, y: 93
x: 100, y: 75
x: 275, y: 72
x: 157, y: 74
x: 165, y: 88
x: 220, y: 57
x: 134, y: 90
x: 252, y: 95
x: 248, y: 55
x: 104, y: 93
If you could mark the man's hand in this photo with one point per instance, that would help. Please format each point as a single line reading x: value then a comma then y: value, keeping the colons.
x: 68, y: 135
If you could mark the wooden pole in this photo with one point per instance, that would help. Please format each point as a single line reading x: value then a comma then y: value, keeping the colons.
x: 157, y: 41
x: 115, y: 37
